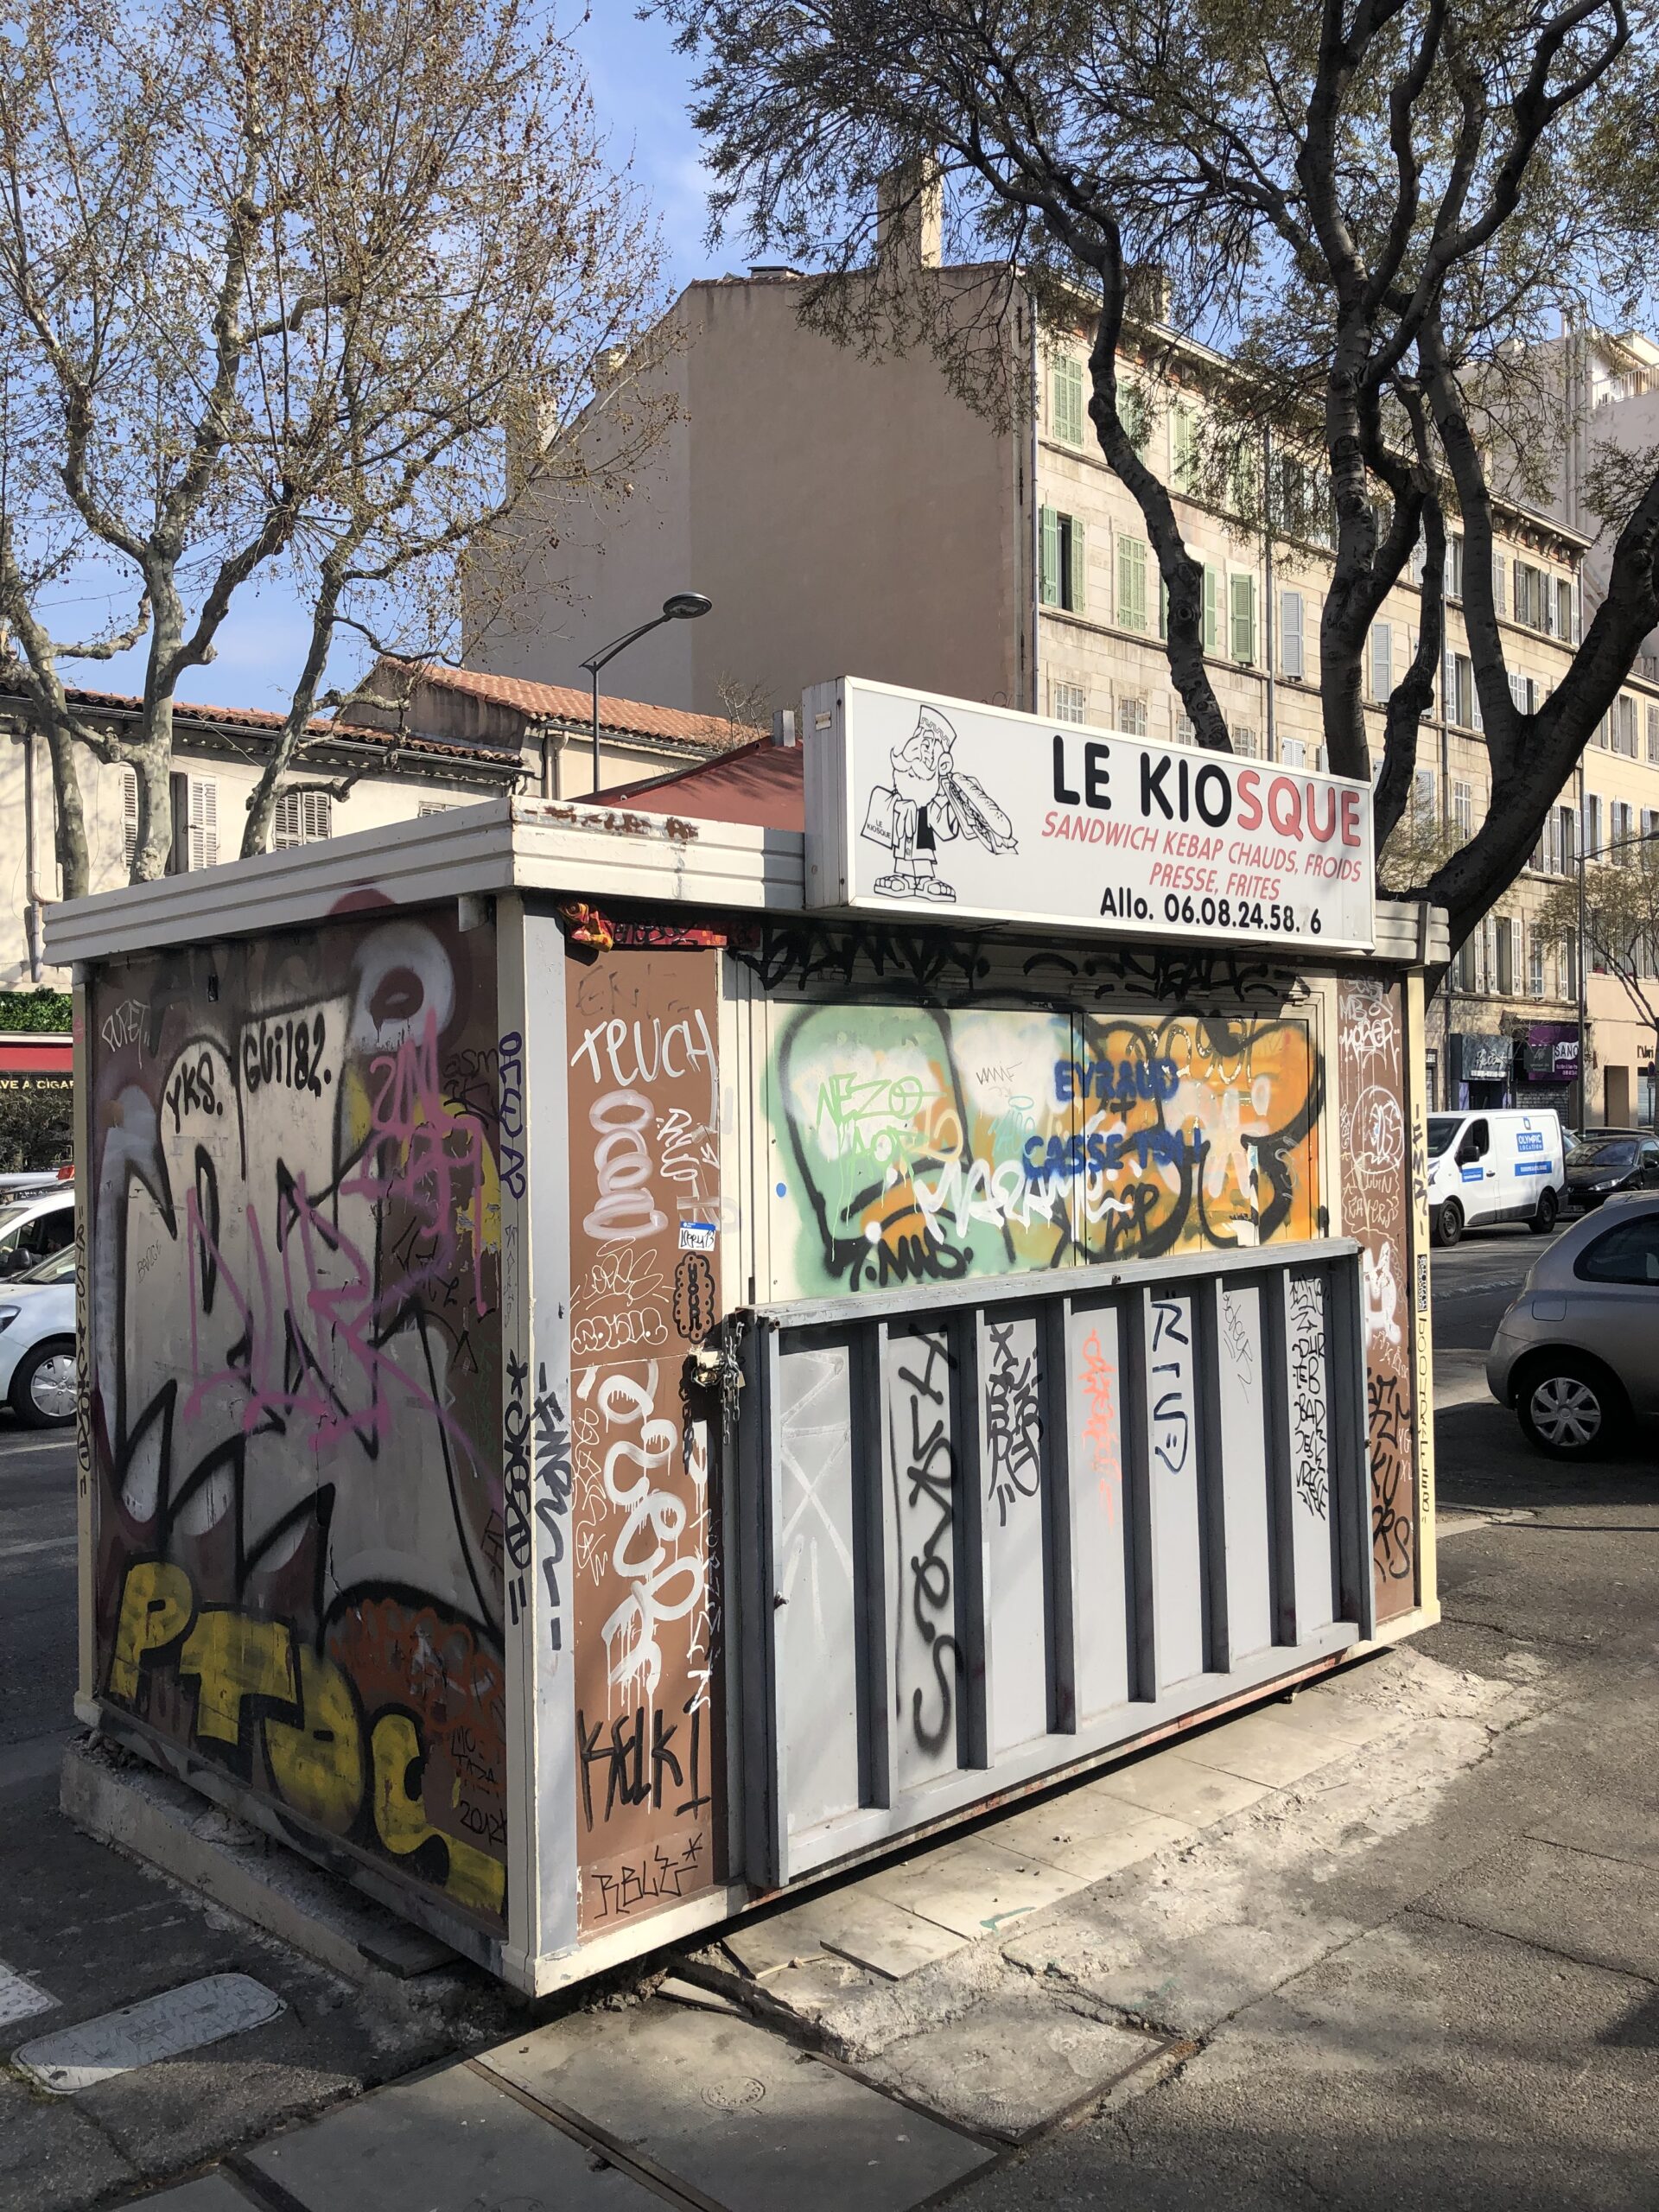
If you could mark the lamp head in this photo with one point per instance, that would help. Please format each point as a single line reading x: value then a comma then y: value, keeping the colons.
x: 686, y: 605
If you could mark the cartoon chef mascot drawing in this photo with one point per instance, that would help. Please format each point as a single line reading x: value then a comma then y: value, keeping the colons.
x: 929, y: 803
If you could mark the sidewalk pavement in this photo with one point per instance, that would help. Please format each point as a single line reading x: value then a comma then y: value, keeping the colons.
x: 1393, y: 1941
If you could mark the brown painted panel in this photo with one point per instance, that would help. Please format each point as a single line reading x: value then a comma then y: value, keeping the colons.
x: 293, y: 1302
x: 644, y: 1204
x: 1370, y: 1084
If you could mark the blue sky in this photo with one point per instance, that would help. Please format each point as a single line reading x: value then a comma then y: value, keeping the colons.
x: 641, y: 86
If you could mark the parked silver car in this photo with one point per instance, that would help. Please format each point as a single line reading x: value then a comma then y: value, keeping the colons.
x: 1576, y: 1355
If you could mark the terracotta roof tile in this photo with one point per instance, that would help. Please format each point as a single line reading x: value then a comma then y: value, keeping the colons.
x: 564, y: 702
x: 260, y: 719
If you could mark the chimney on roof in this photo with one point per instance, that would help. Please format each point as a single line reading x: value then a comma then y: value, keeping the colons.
x: 783, y: 725
x: 1147, y: 297
x: 910, y: 216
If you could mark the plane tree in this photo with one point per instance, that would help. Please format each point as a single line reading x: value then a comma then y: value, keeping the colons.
x: 1379, y: 210
x: 278, y: 278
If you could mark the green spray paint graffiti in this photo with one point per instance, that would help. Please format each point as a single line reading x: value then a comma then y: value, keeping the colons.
x: 918, y: 1146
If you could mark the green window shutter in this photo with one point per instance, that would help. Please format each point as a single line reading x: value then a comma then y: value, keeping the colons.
x: 1183, y: 457
x: 1066, y: 413
x: 1243, y: 623
x: 1076, y: 568
x: 1131, y: 583
x: 1048, y: 576
x: 1211, y: 609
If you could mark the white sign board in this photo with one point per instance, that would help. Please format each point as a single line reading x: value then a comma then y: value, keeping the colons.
x: 935, y: 806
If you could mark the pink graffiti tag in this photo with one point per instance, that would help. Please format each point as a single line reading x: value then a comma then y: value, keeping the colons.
x: 1098, y: 1382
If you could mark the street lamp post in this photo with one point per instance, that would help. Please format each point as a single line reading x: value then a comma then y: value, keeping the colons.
x: 678, y: 607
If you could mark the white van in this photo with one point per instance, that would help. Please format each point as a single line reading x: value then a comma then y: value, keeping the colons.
x: 1500, y: 1163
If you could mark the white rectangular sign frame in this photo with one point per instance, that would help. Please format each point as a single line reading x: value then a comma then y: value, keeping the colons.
x: 924, y: 805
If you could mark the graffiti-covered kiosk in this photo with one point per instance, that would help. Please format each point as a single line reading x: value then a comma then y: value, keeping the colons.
x: 631, y: 1357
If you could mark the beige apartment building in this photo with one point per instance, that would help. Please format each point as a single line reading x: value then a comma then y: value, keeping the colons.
x: 848, y: 514
x: 462, y: 737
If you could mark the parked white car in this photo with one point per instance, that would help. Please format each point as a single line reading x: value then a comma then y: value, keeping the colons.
x: 1501, y: 1164
x: 37, y: 1341
x: 34, y: 1224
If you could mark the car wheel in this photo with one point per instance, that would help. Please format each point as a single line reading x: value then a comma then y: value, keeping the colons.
x: 1547, y: 1214
x: 43, y: 1389
x: 1448, y: 1222
x: 1569, y: 1409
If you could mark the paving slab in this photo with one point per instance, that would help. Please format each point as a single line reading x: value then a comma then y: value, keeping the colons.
x: 741, y: 2115
x: 854, y: 1922
x: 1012, y: 2064
x: 447, y: 2140
x: 1604, y: 1911
x: 1278, y: 1748
x: 1091, y: 1834
x: 1177, y: 1786
x: 974, y: 1888
x: 861, y: 1925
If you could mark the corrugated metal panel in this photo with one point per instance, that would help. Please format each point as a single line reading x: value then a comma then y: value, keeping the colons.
x: 994, y: 1527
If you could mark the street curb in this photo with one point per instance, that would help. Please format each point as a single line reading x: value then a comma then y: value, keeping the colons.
x: 139, y: 1810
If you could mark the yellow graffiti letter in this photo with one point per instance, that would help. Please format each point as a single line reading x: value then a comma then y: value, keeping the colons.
x: 234, y: 1657
x: 318, y: 1767
x: 474, y: 1878
x: 156, y: 1602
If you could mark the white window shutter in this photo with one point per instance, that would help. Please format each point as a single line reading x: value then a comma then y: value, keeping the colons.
x: 204, y: 822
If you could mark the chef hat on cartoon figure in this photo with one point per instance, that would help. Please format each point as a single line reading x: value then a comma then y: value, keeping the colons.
x: 931, y: 724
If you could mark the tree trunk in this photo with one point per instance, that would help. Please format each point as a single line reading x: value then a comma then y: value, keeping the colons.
x: 73, y: 864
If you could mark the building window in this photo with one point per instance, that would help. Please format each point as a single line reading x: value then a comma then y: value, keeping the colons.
x: 1463, y: 810
x: 1569, y: 967
x: 1060, y: 583
x: 1503, y: 957
x: 1381, y: 662
x: 1211, y: 608
x: 1246, y: 744
x: 1535, y: 965
x: 434, y: 806
x: 1066, y: 415
x: 1591, y: 827
x: 1625, y: 725
x: 1132, y: 717
x: 1068, y: 702
x: 1567, y: 840
x: 1623, y: 819
x: 1131, y: 583
x: 196, y: 823
x: 1293, y: 753
x: 1653, y: 737
x: 1567, y: 610
x: 1292, y: 658
x: 129, y: 817
x: 1535, y: 597
x: 301, y: 818
x: 1183, y: 447
x: 1461, y: 705
x: 1603, y: 733
x: 1241, y: 602
x: 1463, y: 977
x: 1424, y: 792
x: 1185, y: 728
x: 1524, y: 692
x: 1453, y: 569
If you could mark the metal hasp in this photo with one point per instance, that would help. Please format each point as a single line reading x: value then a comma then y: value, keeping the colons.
x: 988, y: 1530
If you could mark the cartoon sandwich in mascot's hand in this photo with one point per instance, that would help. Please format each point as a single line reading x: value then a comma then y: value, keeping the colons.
x: 928, y: 804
